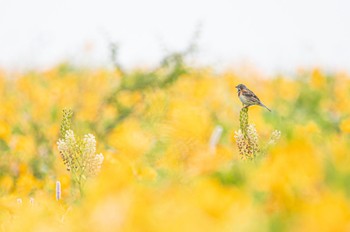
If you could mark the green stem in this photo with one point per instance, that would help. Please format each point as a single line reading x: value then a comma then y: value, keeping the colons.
x: 243, y: 119
x: 81, y: 189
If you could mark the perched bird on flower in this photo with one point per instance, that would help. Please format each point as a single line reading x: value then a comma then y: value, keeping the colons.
x: 248, y: 98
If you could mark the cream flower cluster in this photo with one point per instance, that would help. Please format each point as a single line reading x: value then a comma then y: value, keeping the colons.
x: 248, y: 146
x: 80, y: 156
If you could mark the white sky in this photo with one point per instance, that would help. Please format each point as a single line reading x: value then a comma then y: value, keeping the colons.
x: 274, y: 35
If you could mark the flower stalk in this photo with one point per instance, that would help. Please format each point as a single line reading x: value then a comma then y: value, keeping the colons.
x: 78, y: 154
x: 243, y: 120
x: 247, y: 138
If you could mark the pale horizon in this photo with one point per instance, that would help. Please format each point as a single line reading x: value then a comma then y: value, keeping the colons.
x: 274, y: 36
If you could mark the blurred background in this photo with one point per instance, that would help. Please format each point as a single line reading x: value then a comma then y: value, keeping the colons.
x: 272, y: 35
x: 154, y: 82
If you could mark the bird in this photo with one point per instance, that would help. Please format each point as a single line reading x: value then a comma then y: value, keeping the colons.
x: 248, y: 98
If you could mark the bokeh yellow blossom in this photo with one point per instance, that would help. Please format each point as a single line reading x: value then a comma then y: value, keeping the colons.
x: 162, y: 169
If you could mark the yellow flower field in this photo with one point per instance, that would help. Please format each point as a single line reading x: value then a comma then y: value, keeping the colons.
x: 162, y: 170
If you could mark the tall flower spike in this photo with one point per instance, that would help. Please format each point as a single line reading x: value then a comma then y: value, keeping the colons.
x: 89, y: 144
x: 244, y: 148
x: 58, y: 190
x: 246, y: 137
x: 214, y: 138
x: 243, y: 120
x: 95, y: 165
x: 253, y: 139
x: 78, y: 154
x: 64, y: 151
x: 240, y: 143
x: 66, y: 121
x: 275, y: 136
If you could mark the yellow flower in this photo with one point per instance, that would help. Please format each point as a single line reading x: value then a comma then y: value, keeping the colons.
x: 5, y: 130
x: 318, y: 80
x: 6, y: 183
x: 24, y: 145
x: 311, y: 128
x: 130, y: 139
x: 289, y: 169
x: 128, y: 98
x: 329, y: 212
x: 345, y: 125
x: 144, y: 173
x: 26, y: 183
x: 187, y: 122
x: 339, y: 152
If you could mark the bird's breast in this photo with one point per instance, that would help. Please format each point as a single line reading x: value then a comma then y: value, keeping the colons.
x: 242, y: 97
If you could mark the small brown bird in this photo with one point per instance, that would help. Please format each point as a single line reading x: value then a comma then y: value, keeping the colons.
x: 247, y: 97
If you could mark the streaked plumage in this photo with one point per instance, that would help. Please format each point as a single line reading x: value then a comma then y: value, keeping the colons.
x: 247, y: 97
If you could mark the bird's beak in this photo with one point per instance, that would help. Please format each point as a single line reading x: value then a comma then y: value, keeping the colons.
x: 236, y: 87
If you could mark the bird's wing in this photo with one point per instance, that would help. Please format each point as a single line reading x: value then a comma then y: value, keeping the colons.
x: 248, y: 93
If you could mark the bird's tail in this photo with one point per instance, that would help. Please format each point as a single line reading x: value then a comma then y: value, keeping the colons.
x: 265, y: 107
